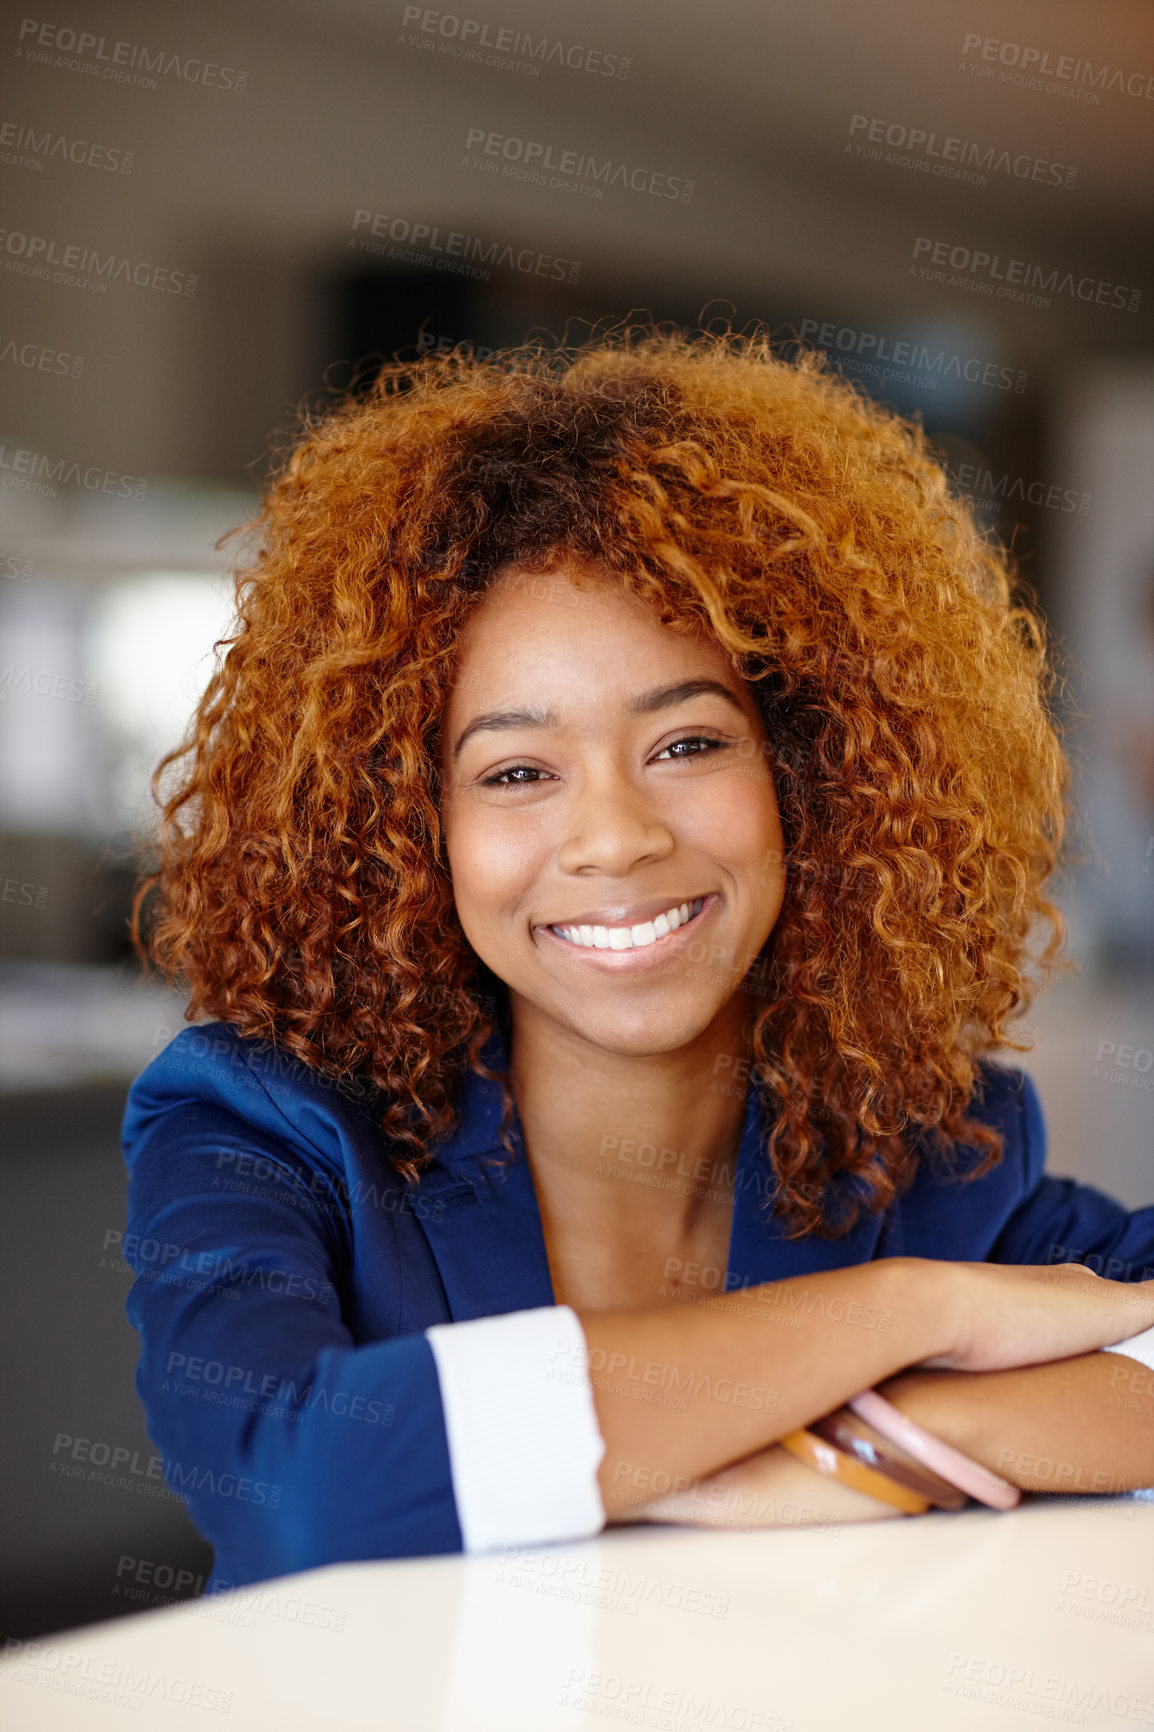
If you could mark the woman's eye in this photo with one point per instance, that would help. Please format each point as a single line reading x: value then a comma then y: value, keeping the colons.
x: 693, y: 740
x: 521, y: 773
x: 528, y: 775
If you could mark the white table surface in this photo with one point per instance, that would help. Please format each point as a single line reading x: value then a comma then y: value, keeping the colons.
x: 1044, y: 1617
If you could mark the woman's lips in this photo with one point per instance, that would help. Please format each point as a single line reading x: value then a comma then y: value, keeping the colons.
x: 638, y: 956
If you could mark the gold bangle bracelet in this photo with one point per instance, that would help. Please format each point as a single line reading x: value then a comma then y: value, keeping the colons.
x: 835, y: 1464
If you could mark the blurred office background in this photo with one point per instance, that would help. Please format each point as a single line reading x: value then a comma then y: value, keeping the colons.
x: 859, y: 177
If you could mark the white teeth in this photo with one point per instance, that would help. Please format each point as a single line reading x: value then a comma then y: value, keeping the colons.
x: 630, y: 937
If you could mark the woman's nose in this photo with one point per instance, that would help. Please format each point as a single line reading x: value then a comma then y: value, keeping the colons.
x: 612, y: 828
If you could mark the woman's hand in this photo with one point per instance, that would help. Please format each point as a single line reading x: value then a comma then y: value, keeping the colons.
x: 1000, y: 1316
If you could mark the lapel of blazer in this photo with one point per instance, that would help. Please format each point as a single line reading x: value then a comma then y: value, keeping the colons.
x: 483, y: 1224
x: 481, y: 1220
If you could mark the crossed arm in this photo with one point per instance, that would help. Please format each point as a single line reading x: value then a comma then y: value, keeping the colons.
x: 1081, y: 1421
x: 1084, y: 1425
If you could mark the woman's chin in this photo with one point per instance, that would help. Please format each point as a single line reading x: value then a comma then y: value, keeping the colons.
x: 643, y: 1034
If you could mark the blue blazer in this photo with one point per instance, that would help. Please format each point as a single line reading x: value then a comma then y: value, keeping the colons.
x: 285, y: 1275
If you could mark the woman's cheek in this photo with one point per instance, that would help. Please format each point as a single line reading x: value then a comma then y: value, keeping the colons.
x: 494, y: 864
x: 734, y: 818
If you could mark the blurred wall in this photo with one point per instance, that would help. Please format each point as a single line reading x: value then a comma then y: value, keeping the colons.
x: 214, y: 214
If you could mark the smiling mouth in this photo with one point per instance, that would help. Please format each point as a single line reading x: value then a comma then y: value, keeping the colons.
x: 631, y: 937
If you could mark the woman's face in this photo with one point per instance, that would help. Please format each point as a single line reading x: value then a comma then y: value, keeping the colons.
x: 605, y: 777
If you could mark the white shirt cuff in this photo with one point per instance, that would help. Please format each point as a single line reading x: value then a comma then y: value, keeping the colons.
x: 524, y: 1443
x: 1140, y: 1347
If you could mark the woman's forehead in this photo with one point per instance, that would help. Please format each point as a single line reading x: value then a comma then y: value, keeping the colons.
x: 560, y: 618
x: 555, y: 654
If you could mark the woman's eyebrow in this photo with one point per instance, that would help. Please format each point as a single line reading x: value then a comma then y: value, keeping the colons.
x: 664, y: 697
x: 640, y: 704
x: 495, y: 720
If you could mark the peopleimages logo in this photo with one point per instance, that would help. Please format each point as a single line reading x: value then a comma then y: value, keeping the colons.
x: 84, y: 267
x: 904, y: 361
x: 41, y: 359
x: 974, y: 268
x: 526, y: 159
x: 507, y: 49
x: 44, y: 684
x: 23, y: 147
x: 115, y: 1683
x: 120, y: 62
x: 991, y: 492
x: 29, y: 471
x: 645, y: 1702
x: 1029, y: 67
x: 946, y: 156
x: 1021, y: 1687
x: 455, y: 251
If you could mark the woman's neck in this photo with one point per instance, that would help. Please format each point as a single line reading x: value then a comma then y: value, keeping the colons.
x: 633, y: 1158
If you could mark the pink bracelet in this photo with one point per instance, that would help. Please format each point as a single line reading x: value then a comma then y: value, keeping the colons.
x: 969, y: 1476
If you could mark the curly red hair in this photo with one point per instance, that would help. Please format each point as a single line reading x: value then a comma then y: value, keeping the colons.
x: 302, y: 894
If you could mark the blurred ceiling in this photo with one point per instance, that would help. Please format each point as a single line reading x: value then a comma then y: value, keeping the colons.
x: 255, y: 193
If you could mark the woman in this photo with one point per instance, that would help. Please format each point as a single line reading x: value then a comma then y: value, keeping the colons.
x: 608, y: 854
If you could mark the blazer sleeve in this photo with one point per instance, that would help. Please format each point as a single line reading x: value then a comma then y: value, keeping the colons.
x: 1060, y: 1221
x: 292, y: 1446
